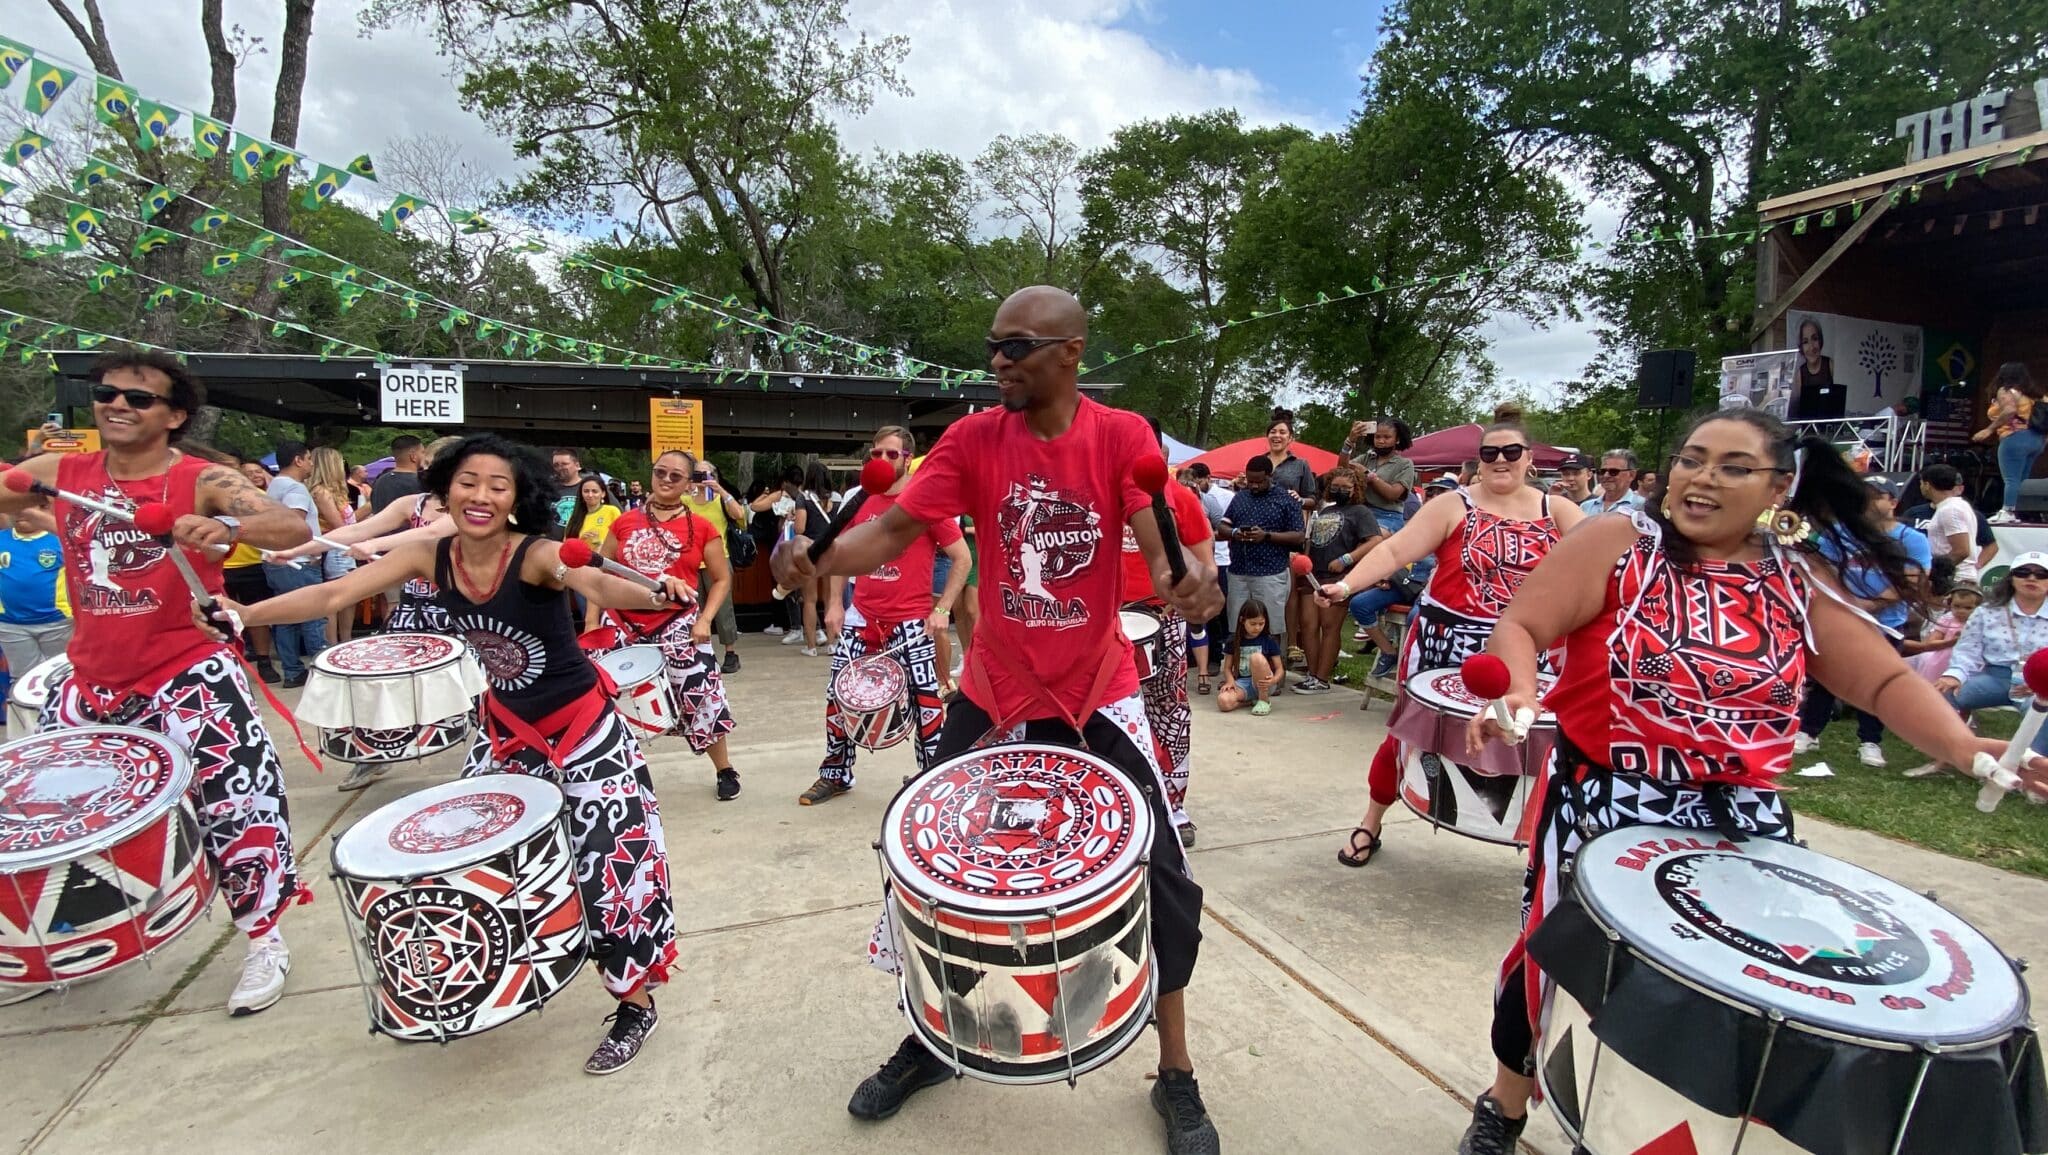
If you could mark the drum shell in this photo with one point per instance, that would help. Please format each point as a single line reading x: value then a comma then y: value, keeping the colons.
x: 31, y: 689
x: 874, y: 725
x: 1147, y: 638
x: 394, y: 716
x: 647, y: 701
x: 1453, y: 796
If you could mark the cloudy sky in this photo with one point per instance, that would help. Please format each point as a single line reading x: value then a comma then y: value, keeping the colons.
x: 976, y: 67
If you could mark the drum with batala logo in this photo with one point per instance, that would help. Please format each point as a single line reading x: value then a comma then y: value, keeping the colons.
x: 873, y: 692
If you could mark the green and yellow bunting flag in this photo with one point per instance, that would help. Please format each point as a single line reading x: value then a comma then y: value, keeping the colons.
x: 112, y: 100
x: 209, y: 136
x: 295, y: 277
x: 94, y: 172
x: 46, y: 82
x: 25, y: 146
x: 258, y: 245
x: 362, y: 167
x: 151, y: 240
x: 468, y: 221
x: 103, y: 276
x: 208, y: 221
x: 401, y: 211
x: 247, y: 160
x: 81, y: 224
x: 157, y: 200
x: 349, y: 294
x: 13, y: 57
x: 153, y: 122
x: 220, y: 263
x: 278, y: 161
x: 351, y: 275
x: 91, y: 340
x: 163, y: 295
x: 486, y: 327
x: 326, y: 182
x: 413, y: 300
x: 455, y: 317
x: 7, y: 186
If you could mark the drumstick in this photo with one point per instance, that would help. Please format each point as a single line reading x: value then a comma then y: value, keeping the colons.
x: 1999, y: 774
x: 875, y: 477
x: 576, y: 553
x: 19, y: 481
x: 1487, y: 676
x: 1150, y: 475
x: 157, y: 519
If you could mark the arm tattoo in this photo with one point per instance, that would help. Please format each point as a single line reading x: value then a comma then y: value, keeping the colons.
x: 233, y: 494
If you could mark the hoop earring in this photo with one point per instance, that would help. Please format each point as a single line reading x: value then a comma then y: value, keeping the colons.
x: 1787, y: 527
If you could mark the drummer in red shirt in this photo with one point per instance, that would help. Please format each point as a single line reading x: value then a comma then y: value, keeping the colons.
x: 892, y: 609
x: 1166, y: 691
x: 139, y: 659
x: 1047, y: 479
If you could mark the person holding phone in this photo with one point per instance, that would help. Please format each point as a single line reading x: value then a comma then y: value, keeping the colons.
x: 707, y: 498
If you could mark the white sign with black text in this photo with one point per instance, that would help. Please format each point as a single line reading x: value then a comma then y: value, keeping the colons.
x: 421, y: 395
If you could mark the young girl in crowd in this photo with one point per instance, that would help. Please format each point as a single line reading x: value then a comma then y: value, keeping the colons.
x: 1254, y: 662
x: 1929, y: 654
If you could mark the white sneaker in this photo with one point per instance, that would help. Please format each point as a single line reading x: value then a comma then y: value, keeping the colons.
x: 809, y: 651
x: 1870, y: 754
x: 822, y: 639
x: 774, y: 631
x: 262, y: 981
x: 793, y: 638
x: 1804, y: 744
x: 2003, y: 517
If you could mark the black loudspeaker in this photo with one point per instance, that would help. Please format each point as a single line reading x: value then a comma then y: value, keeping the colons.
x: 2033, y: 498
x: 1664, y: 379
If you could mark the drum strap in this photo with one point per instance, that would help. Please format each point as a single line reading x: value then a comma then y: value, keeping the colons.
x: 1719, y: 797
x: 977, y: 673
x: 509, y: 733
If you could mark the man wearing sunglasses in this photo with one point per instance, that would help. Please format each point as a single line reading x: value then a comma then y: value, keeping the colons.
x: 709, y: 500
x: 1617, y: 484
x: 138, y: 658
x: 1047, y: 478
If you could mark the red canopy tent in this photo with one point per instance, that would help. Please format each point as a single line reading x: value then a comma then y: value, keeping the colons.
x: 1228, y: 460
x: 1450, y: 448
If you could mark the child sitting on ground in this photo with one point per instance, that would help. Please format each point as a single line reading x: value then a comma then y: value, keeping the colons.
x: 1253, y: 660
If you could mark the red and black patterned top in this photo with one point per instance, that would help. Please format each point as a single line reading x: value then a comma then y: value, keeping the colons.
x: 1689, y: 675
x: 1479, y: 568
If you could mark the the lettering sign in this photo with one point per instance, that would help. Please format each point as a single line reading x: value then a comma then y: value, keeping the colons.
x: 673, y: 423
x: 1984, y: 119
x: 421, y: 395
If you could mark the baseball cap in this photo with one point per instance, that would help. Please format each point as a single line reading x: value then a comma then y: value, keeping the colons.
x: 2032, y: 557
x: 1575, y: 461
x: 1888, y: 486
x: 1442, y: 481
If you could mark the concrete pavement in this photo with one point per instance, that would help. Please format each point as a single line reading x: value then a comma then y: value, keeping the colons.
x: 1334, y: 1010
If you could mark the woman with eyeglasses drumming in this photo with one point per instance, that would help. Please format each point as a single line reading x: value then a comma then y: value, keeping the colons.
x: 1687, y: 631
x: 1485, y: 544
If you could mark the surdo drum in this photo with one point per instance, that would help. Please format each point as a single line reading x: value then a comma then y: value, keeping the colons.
x: 462, y: 906
x: 31, y: 690
x: 101, y: 861
x: 1759, y: 998
x: 644, y: 696
x: 1148, y: 640
x: 391, y: 698
x: 873, y: 692
x: 1486, y: 798
x: 1017, y: 893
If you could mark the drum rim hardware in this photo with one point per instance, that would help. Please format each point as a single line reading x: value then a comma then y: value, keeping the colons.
x: 178, y: 782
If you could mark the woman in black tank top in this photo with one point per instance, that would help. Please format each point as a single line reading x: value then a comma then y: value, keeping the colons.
x: 548, y: 711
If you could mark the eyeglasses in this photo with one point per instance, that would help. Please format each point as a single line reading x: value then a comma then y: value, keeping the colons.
x: 1726, y: 472
x: 1493, y: 453
x: 670, y: 475
x: 136, y: 398
x: 2030, y: 574
x: 888, y: 454
x: 1612, y: 472
x: 1018, y: 348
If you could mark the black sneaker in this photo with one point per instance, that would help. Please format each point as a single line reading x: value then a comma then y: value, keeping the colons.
x: 728, y: 784
x: 731, y: 664
x: 1178, y: 1099
x: 630, y: 1027
x: 1187, y: 833
x: 266, y: 671
x: 823, y: 790
x: 910, y: 1070
x: 293, y: 683
x: 1491, y: 1132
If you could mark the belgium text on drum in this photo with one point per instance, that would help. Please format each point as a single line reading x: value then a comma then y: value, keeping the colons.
x: 1019, y: 902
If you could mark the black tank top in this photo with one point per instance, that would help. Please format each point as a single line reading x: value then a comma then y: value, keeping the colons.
x: 524, y: 635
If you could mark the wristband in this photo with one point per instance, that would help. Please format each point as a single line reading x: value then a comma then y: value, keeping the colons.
x: 1346, y: 587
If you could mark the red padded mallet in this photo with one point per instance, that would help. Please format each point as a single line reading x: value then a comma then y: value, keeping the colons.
x: 2000, y: 774
x: 1487, y: 677
x: 1302, y: 567
x: 1149, y: 474
x: 576, y: 554
x: 20, y: 481
x: 875, y: 477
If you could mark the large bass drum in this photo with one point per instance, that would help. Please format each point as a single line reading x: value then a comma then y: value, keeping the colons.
x: 1760, y: 998
x: 1485, y: 797
x: 1017, y: 891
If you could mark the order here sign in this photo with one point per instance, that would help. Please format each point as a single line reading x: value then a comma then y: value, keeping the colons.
x: 421, y: 395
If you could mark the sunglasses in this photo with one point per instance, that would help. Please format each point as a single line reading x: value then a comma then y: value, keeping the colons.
x: 136, y: 398
x: 1493, y: 453
x: 670, y: 475
x: 888, y: 454
x: 1018, y: 348
x: 1612, y: 472
x: 2030, y: 574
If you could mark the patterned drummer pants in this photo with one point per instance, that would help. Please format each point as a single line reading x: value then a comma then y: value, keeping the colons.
x: 414, y: 615
x: 615, y: 834
x: 237, y: 781
x: 704, y: 715
x: 1118, y: 732
x: 919, y: 654
x: 1608, y: 802
x: 1166, y: 708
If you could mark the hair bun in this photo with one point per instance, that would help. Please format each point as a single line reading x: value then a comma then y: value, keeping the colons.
x: 1280, y: 413
x: 1507, y: 413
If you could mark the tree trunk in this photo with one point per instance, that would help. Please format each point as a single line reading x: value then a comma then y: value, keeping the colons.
x: 160, y: 326
x: 244, y: 332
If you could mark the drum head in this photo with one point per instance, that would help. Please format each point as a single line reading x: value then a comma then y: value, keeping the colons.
x: 71, y: 792
x: 1776, y: 926
x: 447, y: 827
x: 870, y: 683
x: 1016, y: 828
x: 1139, y: 626
x: 33, y: 688
x: 1444, y: 691
x: 633, y: 665
x: 388, y: 655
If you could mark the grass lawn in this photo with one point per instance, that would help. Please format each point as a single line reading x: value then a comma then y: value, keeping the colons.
x: 1937, y: 813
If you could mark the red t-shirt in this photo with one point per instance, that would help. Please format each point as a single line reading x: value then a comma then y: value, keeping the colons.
x: 1045, y: 515
x: 900, y: 590
x: 1190, y: 520
x: 675, y: 547
x: 134, y: 627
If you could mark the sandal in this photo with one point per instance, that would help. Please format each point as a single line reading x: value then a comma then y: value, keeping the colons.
x: 1202, y: 685
x: 1355, y: 855
x: 1262, y: 709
